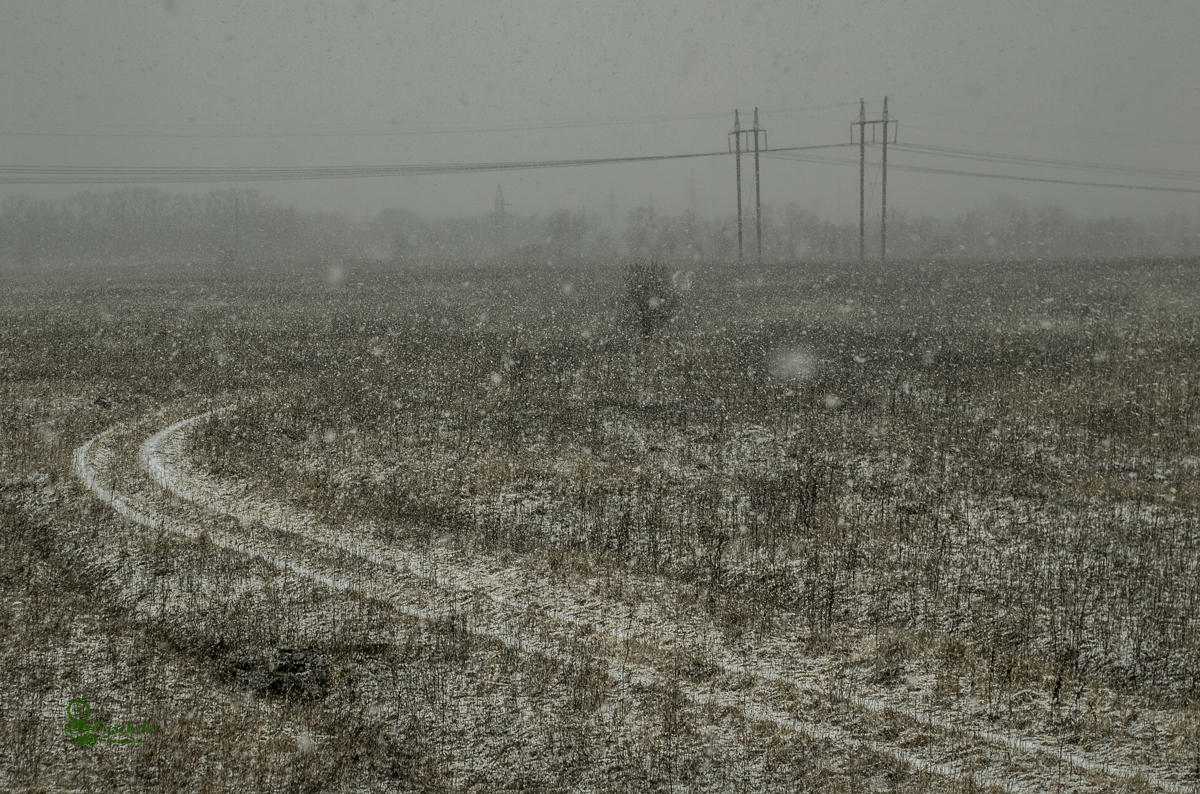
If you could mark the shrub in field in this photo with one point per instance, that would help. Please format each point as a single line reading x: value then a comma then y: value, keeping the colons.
x: 652, y: 298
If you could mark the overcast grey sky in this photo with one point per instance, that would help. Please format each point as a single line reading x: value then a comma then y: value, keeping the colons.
x: 1096, y: 80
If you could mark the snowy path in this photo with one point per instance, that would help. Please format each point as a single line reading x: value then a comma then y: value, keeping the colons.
x: 642, y: 639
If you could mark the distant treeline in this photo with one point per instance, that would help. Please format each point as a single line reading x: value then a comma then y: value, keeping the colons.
x: 244, y: 225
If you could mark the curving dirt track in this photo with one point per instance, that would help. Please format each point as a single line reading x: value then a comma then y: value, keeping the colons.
x: 766, y: 675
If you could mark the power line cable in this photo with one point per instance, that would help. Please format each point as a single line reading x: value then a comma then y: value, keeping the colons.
x: 967, y: 154
x: 957, y: 172
x: 38, y: 174
x: 41, y: 174
x: 808, y: 148
x: 808, y: 158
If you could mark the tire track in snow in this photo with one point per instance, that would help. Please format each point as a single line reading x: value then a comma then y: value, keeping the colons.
x: 558, y: 621
x: 511, y: 635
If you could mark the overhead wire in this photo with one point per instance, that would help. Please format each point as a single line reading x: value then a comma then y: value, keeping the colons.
x: 984, y: 175
x: 1048, y: 162
x: 40, y: 174
x: 1049, y: 180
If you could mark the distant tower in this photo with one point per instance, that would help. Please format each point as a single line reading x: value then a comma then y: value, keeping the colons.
x: 612, y: 210
x: 499, y: 216
x: 691, y: 191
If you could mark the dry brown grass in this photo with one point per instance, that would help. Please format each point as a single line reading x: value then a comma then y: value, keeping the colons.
x: 988, y: 496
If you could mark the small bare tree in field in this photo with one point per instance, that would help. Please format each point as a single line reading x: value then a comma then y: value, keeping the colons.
x: 652, y: 298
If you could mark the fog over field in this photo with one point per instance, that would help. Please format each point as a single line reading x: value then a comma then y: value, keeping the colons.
x: 462, y: 398
x: 377, y: 83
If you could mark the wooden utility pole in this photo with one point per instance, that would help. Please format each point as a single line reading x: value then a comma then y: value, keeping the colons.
x: 499, y: 216
x: 737, y: 142
x: 737, y: 150
x: 862, y: 179
x: 895, y: 131
x: 758, y: 186
x: 862, y: 176
x: 883, y: 199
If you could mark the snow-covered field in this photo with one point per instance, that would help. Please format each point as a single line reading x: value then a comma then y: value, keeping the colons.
x: 823, y: 531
